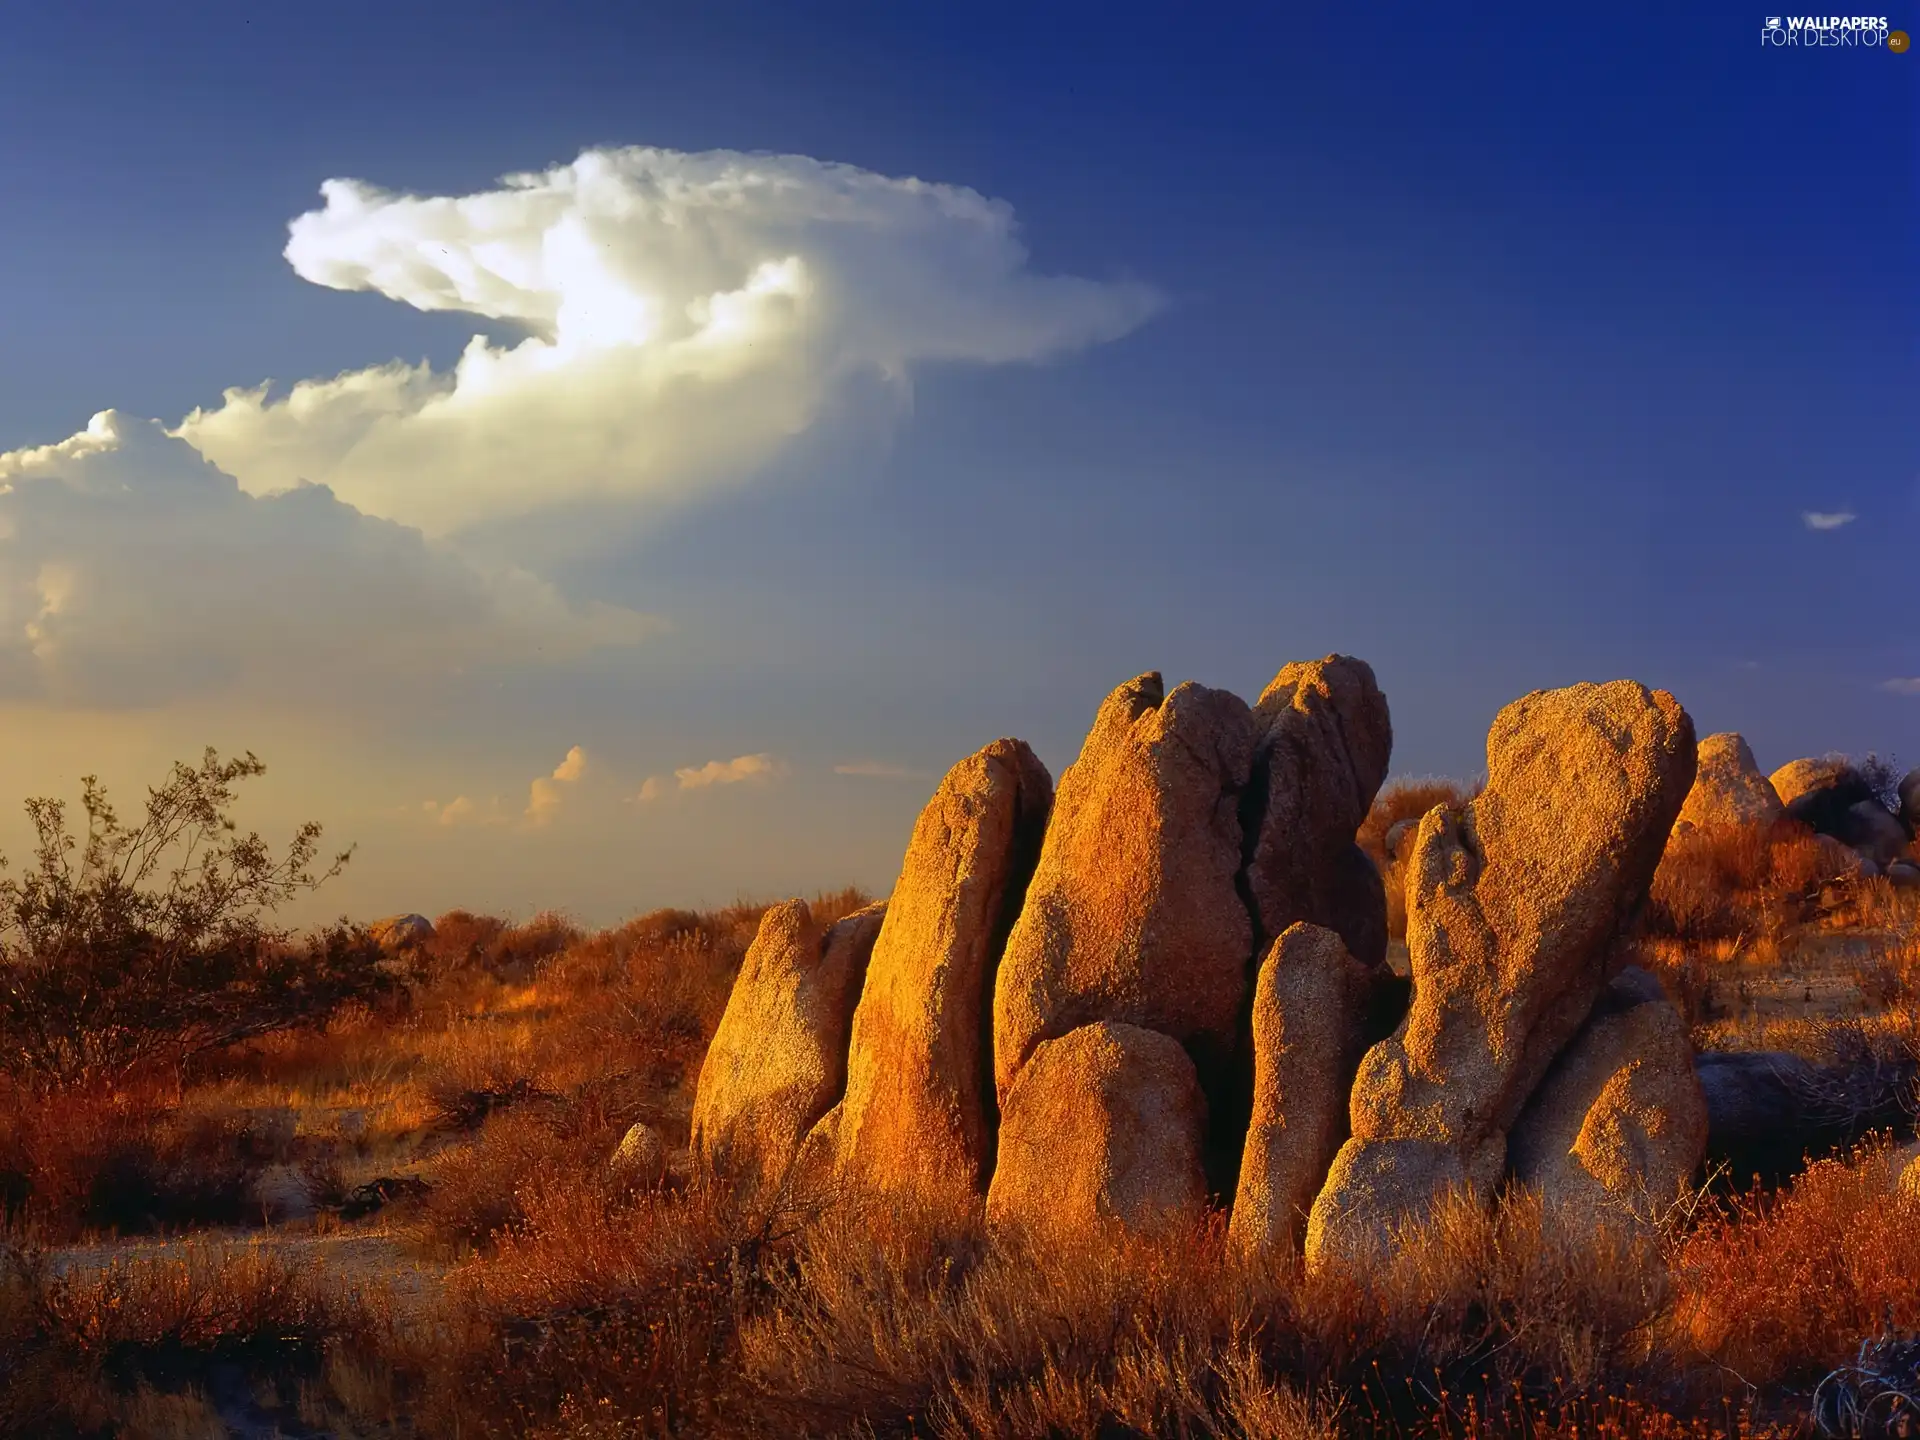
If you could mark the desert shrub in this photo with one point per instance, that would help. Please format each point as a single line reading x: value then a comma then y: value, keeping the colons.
x: 481, y: 1189
x: 126, y: 1159
x: 94, y: 1352
x: 1782, y: 1287
x: 1739, y: 882
x: 153, y: 942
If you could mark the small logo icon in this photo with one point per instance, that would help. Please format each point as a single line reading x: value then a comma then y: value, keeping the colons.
x: 1773, y: 22
x: 1898, y: 42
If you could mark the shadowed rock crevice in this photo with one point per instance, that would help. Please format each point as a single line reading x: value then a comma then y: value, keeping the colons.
x: 1030, y: 833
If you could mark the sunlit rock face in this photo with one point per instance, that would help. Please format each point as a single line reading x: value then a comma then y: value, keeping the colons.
x: 919, y: 1110
x: 1514, y: 907
x: 778, y: 1062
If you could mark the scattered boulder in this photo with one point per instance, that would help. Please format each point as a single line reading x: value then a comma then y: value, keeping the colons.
x: 1133, y: 913
x: 1843, y: 862
x: 639, y: 1162
x: 1820, y: 793
x: 1874, y: 832
x: 778, y: 1062
x: 1323, y: 753
x: 1309, y: 1029
x: 918, y: 1113
x: 1102, y: 1126
x: 1619, y: 1125
x: 401, y: 932
x: 1799, y: 778
x: 1910, y: 800
x: 1728, y: 788
x: 1768, y: 1111
x: 1514, y: 906
x: 1905, y: 874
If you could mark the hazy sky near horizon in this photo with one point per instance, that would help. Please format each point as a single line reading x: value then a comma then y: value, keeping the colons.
x: 606, y: 456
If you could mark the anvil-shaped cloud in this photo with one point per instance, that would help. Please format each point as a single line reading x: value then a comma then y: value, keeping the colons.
x: 682, y: 316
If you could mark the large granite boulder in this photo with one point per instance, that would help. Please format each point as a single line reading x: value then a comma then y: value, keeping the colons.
x: 1875, y: 832
x: 1619, y: 1125
x: 1514, y: 907
x: 918, y: 1113
x: 1310, y: 1007
x: 1102, y: 1127
x: 1325, y: 744
x: 778, y: 1062
x: 1728, y: 787
x: 1133, y: 914
x: 1819, y: 792
x: 1760, y: 1106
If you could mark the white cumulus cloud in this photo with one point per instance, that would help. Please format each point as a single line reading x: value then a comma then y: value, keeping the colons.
x: 680, y: 316
x: 756, y: 769
x: 132, y: 572
x: 1827, y: 519
x: 547, y: 792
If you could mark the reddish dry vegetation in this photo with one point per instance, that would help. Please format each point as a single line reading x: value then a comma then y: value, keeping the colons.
x: 457, y: 1129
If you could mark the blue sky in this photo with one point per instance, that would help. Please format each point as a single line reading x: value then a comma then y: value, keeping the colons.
x: 1504, y: 349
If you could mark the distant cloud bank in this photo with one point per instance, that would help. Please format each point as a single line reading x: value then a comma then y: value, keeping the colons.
x: 133, y: 572
x: 1827, y: 519
x: 1902, y: 686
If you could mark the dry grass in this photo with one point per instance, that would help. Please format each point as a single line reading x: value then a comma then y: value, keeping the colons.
x: 574, y: 1305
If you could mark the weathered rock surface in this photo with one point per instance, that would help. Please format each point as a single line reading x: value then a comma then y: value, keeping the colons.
x: 778, y: 1062
x: 1819, y: 793
x: 401, y: 932
x: 1619, y: 1125
x: 1323, y: 754
x: 1870, y: 828
x: 1905, y: 874
x: 1309, y: 1017
x: 640, y: 1159
x: 1798, y: 778
x: 919, y: 1113
x: 1514, y: 905
x: 1101, y: 1127
x: 1843, y: 861
x: 1133, y: 914
x: 1728, y: 787
x: 1910, y: 800
x: 1757, y: 1110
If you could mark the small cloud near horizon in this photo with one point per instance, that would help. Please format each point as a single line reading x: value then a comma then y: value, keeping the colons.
x: 1827, y: 519
x: 878, y: 770
x: 1902, y: 685
x: 461, y: 810
x: 757, y: 769
x: 545, y: 795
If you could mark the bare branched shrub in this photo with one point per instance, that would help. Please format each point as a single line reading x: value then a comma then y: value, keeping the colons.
x: 122, y: 945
